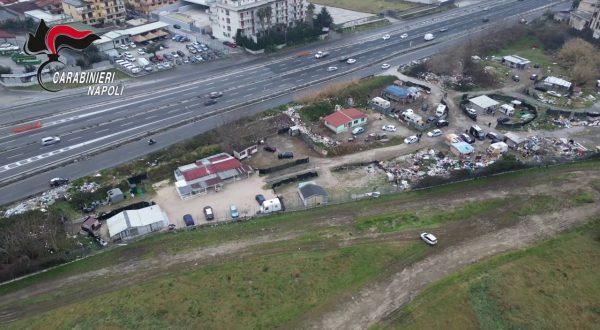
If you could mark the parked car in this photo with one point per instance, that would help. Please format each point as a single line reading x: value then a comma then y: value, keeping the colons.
x: 332, y: 68
x: 171, y: 226
x: 260, y: 199
x: 50, y: 140
x: 88, y: 209
x: 404, y: 36
x: 351, y: 61
x: 214, y: 95
x: 411, y: 139
x: 503, y: 120
x: 233, y: 211
x: 358, y: 130
x: 132, y: 45
x: 208, y: 213
x: 442, y: 123
x: 101, y: 242
x: 188, y: 220
x: 210, y: 102
x: 176, y: 26
x: 435, y: 132
x: 493, y: 136
x: 285, y: 155
x: 516, y: 78
x: 385, y: 37
x: 141, y: 51
x: 429, y: 238
x: 389, y: 128
x: 269, y: 148
x: 385, y: 66
x: 533, y: 77
x: 180, y: 53
x: 57, y: 182
x: 123, y: 47
x: 467, y: 138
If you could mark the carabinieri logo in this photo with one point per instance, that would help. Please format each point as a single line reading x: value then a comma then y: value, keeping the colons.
x: 50, y: 41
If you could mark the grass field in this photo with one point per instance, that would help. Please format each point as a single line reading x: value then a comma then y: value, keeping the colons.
x: 372, y: 6
x: 257, y: 293
x: 531, y: 48
x: 553, y: 285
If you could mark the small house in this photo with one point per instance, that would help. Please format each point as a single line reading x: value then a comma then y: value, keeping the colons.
x: 517, y: 62
x: 132, y: 223
x: 91, y: 224
x: 507, y: 110
x: 244, y: 151
x: 115, y: 195
x: 513, y: 140
x: 461, y: 149
x: 557, y: 84
x: 312, y: 194
x: 342, y: 120
x: 484, y: 103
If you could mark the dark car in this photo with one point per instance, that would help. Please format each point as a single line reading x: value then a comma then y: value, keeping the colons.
x: 493, y: 136
x: 285, y: 155
x: 270, y: 148
x: 180, y: 53
x: 177, y: 26
x: 260, y: 199
x: 516, y: 78
x: 189, y: 221
x: 208, y: 213
x: 57, y: 182
x: 172, y: 226
x: 503, y: 120
x: 88, y: 209
x: 229, y: 44
x: 444, y: 29
x: 168, y: 57
x: 467, y: 138
x: 442, y: 123
x: 430, y: 119
x: 537, y: 66
x: 210, y: 102
x: 533, y: 77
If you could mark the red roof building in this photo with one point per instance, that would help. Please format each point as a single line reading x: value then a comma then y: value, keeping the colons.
x: 340, y: 121
x: 208, y: 173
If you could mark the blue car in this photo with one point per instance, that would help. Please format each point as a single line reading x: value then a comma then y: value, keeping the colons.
x: 260, y: 199
x: 233, y: 211
x: 189, y: 221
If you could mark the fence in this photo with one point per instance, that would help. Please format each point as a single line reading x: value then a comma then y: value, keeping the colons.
x: 283, y: 166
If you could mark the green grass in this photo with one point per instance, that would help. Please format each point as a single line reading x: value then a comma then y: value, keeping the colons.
x: 372, y: 6
x: 171, y: 243
x: 584, y: 198
x: 252, y: 293
x: 553, y: 285
x: 531, y: 48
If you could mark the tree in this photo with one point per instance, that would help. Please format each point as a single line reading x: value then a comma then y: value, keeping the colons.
x: 324, y: 19
x: 92, y: 54
x: 153, y: 48
x: 268, y: 16
x: 261, y: 13
x: 310, y: 14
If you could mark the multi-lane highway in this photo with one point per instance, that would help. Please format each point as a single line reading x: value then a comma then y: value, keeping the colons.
x: 88, y: 124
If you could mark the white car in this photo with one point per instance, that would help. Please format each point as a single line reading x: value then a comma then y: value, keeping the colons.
x: 385, y: 66
x: 404, y: 36
x: 429, y: 238
x: 141, y: 51
x: 385, y: 37
x: 411, y: 139
x: 553, y: 93
x: 50, y: 140
x: 358, y: 130
x: 486, y: 8
x: 351, y: 61
x: 389, y: 128
x: 332, y: 68
x: 123, y: 47
x: 434, y: 133
x: 132, y: 45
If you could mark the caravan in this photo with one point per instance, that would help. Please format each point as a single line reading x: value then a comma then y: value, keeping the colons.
x: 440, y: 111
x: 270, y: 206
x: 507, y: 110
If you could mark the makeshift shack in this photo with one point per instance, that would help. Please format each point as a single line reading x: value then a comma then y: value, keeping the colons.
x: 513, y: 140
x: 497, y: 148
x: 461, y: 149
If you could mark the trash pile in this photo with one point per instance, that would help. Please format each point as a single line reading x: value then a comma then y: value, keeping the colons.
x: 40, y: 202
x: 568, y: 123
x: 89, y: 187
x: 292, y: 112
x: 542, y: 147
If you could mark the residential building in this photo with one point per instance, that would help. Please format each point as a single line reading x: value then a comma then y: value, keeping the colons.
x: 50, y: 19
x: 209, y: 173
x: 147, y: 6
x: 582, y: 16
x: 131, y: 223
x: 514, y: 61
x: 484, y: 103
x: 342, y: 120
x: 229, y: 16
x: 96, y: 12
x: 557, y: 84
x: 51, y: 6
x: 243, y: 151
x: 312, y: 194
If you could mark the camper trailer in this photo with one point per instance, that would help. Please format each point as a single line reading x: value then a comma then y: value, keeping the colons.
x: 412, y: 117
x: 270, y: 206
x: 507, y: 110
x: 440, y: 111
x: 477, y: 132
x: 380, y: 102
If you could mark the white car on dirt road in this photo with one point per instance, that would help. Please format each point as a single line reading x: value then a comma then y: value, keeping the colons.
x: 434, y: 133
x: 429, y: 238
x: 389, y: 128
x: 411, y: 139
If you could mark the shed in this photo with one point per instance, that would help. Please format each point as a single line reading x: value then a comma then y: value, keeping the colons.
x: 513, y: 140
x: 497, y: 148
x: 397, y: 93
x: 514, y: 61
x: 90, y: 224
x: 132, y: 223
x: 557, y: 83
x: 484, y: 103
x: 115, y: 195
x: 244, y: 151
x: 461, y: 149
x: 312, y: 194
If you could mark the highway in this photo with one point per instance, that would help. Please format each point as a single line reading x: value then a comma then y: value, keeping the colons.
x: 106, y: 126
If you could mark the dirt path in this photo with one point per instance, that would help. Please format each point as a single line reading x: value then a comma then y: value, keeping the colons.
x: 375, y: 302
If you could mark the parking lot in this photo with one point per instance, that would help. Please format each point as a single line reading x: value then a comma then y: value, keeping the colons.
x: 239, y: 193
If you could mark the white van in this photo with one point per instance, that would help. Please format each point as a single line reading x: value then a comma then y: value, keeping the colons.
x: 50, y: 140
x: 271, y: 205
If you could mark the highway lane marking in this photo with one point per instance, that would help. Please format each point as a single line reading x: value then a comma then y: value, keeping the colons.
x: 153, y: 116
x: 314, y: 75
x: 233, y: 94
x: 128, y: 123
x: 75, y: 138
x: 247, y: 95
x: 171, y: 111
x: 13, y: 156
x: 104, y: 130
x: 251, y: 89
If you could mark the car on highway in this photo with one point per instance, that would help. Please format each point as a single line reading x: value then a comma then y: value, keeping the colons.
x: 332, y: 68
x: 385, y: 66
x: 442, y: 123
x: 385, y: 37
x: 285, y: 155
x: 321, y: 54
x: 358, y: 130
x: 428, y: 238
x: 486, y: 8
x: 269, y: 148
x: 467, y: 138
x: 389, y: 128
x: 215, y: 95
x: 404, y: 36
x: 57, y: 182
x: 411, y: 139
x: 210, y: 102
x: 444, y: 29
x: 49, y: 140
x: 260, y: 199
x: 188, y: 220
x: 435, y: 132
x: 344, y: 58
x: 485, y: 19
x: 233, y: 211
x: 208, y: 213
x: 351, y: 61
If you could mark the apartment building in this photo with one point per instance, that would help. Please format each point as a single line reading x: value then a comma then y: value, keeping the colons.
x: 147, y: 6
x: 227, y: 16
x: 582, y: 16
x: 595, y: 22
x: 51, y: 6
x: 96, y: 12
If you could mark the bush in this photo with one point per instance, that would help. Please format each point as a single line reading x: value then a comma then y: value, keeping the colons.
x: 315, y: 111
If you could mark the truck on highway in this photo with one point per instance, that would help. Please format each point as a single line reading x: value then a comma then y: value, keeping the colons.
x: 428, y: 37
x: 143, y: 62
x: 321, y: 54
